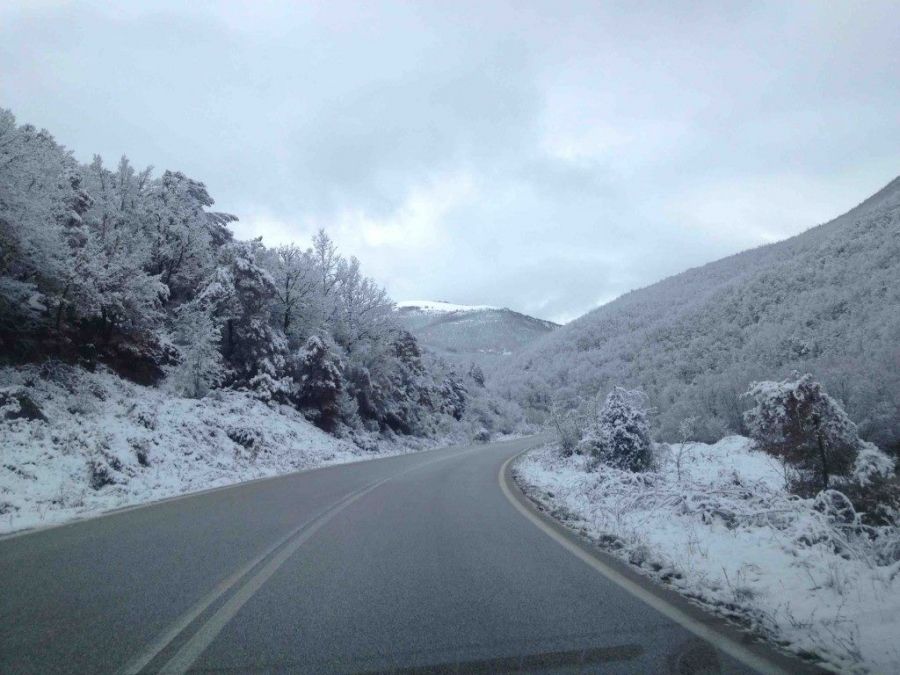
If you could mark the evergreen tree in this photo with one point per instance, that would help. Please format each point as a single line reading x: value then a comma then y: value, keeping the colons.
x: 198, y: 337
x: 620, y: 435
x: 318, y: 383
x: 253, y: 349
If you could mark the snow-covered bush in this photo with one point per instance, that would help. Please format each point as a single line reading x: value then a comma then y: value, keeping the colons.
x: 871, y: 465
x: 569, y: 426
x: 797, y: 421
x: 15, y: 403
x: 477, y: 374
x: 874, y: 486
x: 810, y: 573
x: 620, y: 435
x: 482, y: 436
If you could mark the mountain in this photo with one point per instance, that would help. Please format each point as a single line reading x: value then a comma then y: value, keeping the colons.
x: 826, y: 301
x: 467, y: 334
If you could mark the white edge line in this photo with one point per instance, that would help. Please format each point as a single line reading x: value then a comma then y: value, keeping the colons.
x: 721, y: 641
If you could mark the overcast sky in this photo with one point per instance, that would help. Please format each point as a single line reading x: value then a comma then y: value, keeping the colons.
x: 542, y: 156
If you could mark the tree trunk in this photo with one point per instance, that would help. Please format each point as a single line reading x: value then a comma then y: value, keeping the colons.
x: 824, y: 459
x: 59, y: 309
x: 229, y: 344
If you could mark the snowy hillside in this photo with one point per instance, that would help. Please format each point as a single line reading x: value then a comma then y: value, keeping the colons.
x: 826, y: 302
x: 74, y: 442
x: 466, y: 334
x: 723, y: 530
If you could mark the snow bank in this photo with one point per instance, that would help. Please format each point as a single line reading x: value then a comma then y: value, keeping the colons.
x: 728, y: 535
x: 106, y: 443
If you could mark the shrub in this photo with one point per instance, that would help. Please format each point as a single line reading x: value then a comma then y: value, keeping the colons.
x: 247, y: 438
x: 99, y: 474
x: 874, y: 487
x: 482, y: 436
x: 15, y: 403
x: 620, y: 436
x: 568, y: 429
x: 798, y: 422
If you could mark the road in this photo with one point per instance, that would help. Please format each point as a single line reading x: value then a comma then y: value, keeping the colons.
x: 421, y: 562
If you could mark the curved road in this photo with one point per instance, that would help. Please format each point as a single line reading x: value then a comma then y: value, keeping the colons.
x: 424, y: 562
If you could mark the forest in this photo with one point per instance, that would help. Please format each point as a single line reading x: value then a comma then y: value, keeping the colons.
x: 824, y: 302
x: 123, y: 269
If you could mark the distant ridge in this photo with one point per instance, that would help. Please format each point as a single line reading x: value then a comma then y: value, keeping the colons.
x: 826, y: 301
x: 440, y: 306
x: 466, y: 334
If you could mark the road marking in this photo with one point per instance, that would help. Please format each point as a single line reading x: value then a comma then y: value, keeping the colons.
x: 190, y: 651
x: 106, y: 513
x: 158, y: 645
x: 182, y: 661
x: 720, y: 641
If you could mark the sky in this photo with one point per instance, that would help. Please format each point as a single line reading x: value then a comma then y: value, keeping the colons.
x: 545, y: 156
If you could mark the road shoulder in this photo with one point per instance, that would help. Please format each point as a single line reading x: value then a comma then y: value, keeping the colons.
x: 741, y: 645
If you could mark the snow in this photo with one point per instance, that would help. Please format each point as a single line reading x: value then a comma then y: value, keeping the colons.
x: 729, y: 536
x: 98, y: 425
x: 437, y: 306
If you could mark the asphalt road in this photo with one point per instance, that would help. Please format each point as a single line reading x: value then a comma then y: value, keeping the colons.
x: 421, y: 561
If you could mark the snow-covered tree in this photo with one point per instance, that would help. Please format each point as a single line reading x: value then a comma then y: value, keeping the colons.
x: 40, y: 200
x: 361, y: 310
x: 184, y: 235
x: 134, y: 271
x: 198, y: 337
x: 797, y: 421
x: 117, y: 252
x: 454, y: 396
x: 620, y: 435
x: 318, y: 382
x: 297, y: 308
x: 241, y: 296
x: 477, y: 374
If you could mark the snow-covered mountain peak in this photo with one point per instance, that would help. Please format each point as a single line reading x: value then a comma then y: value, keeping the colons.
x: 441, y: 306
x: 470, y: 333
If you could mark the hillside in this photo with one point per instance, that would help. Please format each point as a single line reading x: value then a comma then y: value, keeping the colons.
x: 471, y: 333
x: 76, y: 442
x: 826, y: 301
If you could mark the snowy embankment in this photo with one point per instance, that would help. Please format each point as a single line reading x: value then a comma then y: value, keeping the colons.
x: 73, y: 443
x: 728, y: 535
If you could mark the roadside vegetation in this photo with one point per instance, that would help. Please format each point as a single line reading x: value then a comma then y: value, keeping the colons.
x: 120, y: 273
x: 793, y: 532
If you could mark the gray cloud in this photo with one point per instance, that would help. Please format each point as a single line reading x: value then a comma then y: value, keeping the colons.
x: 542, y: 157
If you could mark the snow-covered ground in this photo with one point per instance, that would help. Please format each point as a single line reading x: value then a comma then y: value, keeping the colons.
x: 728, y: 535
x: 107, y: 443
